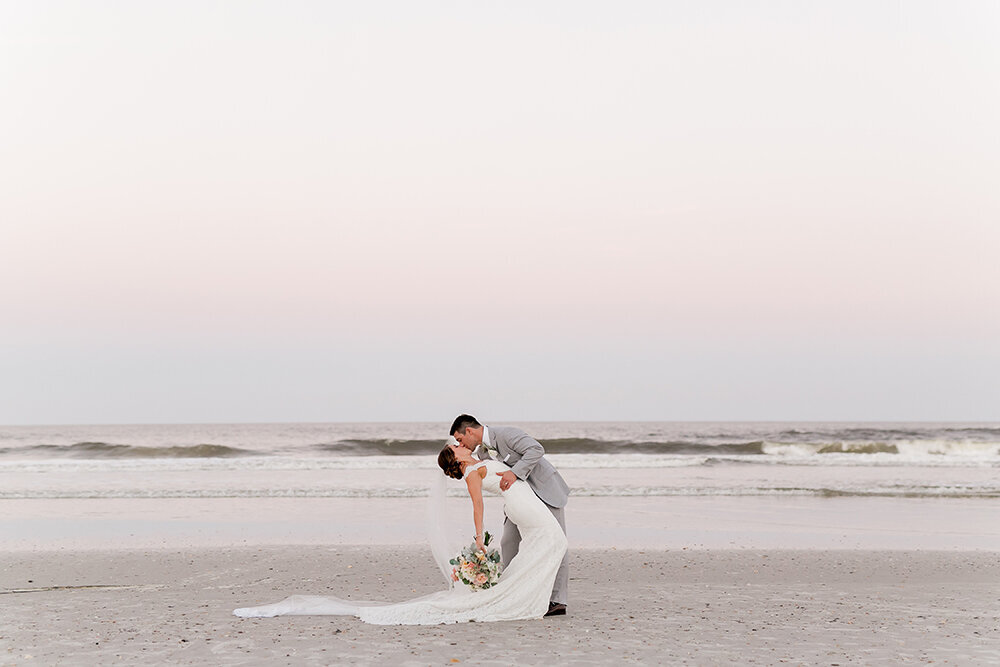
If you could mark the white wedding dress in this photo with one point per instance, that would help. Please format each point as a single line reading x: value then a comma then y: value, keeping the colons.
x: 523, y: 590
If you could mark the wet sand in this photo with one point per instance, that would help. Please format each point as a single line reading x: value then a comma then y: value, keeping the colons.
x: 677, y: 606
x: 654, y: 522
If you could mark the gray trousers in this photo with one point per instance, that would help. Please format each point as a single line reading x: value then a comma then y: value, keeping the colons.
x: 510, y: 542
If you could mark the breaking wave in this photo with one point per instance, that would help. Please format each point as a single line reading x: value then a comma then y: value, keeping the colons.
x: 104, y: 450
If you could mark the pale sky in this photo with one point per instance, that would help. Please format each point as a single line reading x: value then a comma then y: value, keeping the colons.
x: 394, y: 211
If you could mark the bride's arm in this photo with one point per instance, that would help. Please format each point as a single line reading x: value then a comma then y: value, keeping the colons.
x: 475, y: 484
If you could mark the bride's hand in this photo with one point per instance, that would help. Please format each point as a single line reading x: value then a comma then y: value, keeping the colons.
x: 480, y: 544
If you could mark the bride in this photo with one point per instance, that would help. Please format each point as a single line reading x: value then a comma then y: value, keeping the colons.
x: 523, y: 590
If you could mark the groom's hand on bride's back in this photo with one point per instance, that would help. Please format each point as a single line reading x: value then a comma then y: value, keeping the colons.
x: 506, y: 479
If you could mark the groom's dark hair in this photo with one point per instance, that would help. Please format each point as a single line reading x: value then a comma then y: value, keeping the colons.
x: 463, y: 422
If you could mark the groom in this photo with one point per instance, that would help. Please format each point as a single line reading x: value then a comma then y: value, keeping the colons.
x: 526, y: 457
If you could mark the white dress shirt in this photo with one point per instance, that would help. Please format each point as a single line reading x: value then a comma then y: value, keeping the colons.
x: 488, y: 445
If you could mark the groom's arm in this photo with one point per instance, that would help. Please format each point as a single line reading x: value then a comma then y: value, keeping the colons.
x: 531, y: 452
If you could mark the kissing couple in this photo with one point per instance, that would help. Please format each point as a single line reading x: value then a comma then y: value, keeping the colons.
x: 503, y: 460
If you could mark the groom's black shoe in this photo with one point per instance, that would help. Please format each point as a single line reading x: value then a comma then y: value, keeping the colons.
x: 556, y: 609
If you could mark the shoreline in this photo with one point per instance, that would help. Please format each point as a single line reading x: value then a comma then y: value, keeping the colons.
x: 626, y: 605
x: 901, y: 524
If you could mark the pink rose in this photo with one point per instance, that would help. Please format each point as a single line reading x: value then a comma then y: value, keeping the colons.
x: 480, y: 578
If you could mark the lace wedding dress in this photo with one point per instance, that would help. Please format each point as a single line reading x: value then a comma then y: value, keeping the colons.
x: 523, y: 590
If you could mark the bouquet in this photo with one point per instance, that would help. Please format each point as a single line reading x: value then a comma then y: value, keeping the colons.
x: 476, y: 569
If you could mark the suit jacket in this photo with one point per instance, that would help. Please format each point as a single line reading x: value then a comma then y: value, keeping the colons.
x: 526, y: 457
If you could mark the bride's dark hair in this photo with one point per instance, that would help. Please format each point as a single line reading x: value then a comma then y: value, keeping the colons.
x: 448, y: 463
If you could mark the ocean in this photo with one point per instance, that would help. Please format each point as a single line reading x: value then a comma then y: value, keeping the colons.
x: 633, y: 484
x: 597, y: 458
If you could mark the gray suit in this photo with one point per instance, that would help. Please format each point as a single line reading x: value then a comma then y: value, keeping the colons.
x: 526, y: 457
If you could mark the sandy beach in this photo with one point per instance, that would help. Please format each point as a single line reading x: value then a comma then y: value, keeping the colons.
x: 127, y: 553
x: 628, y: 606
